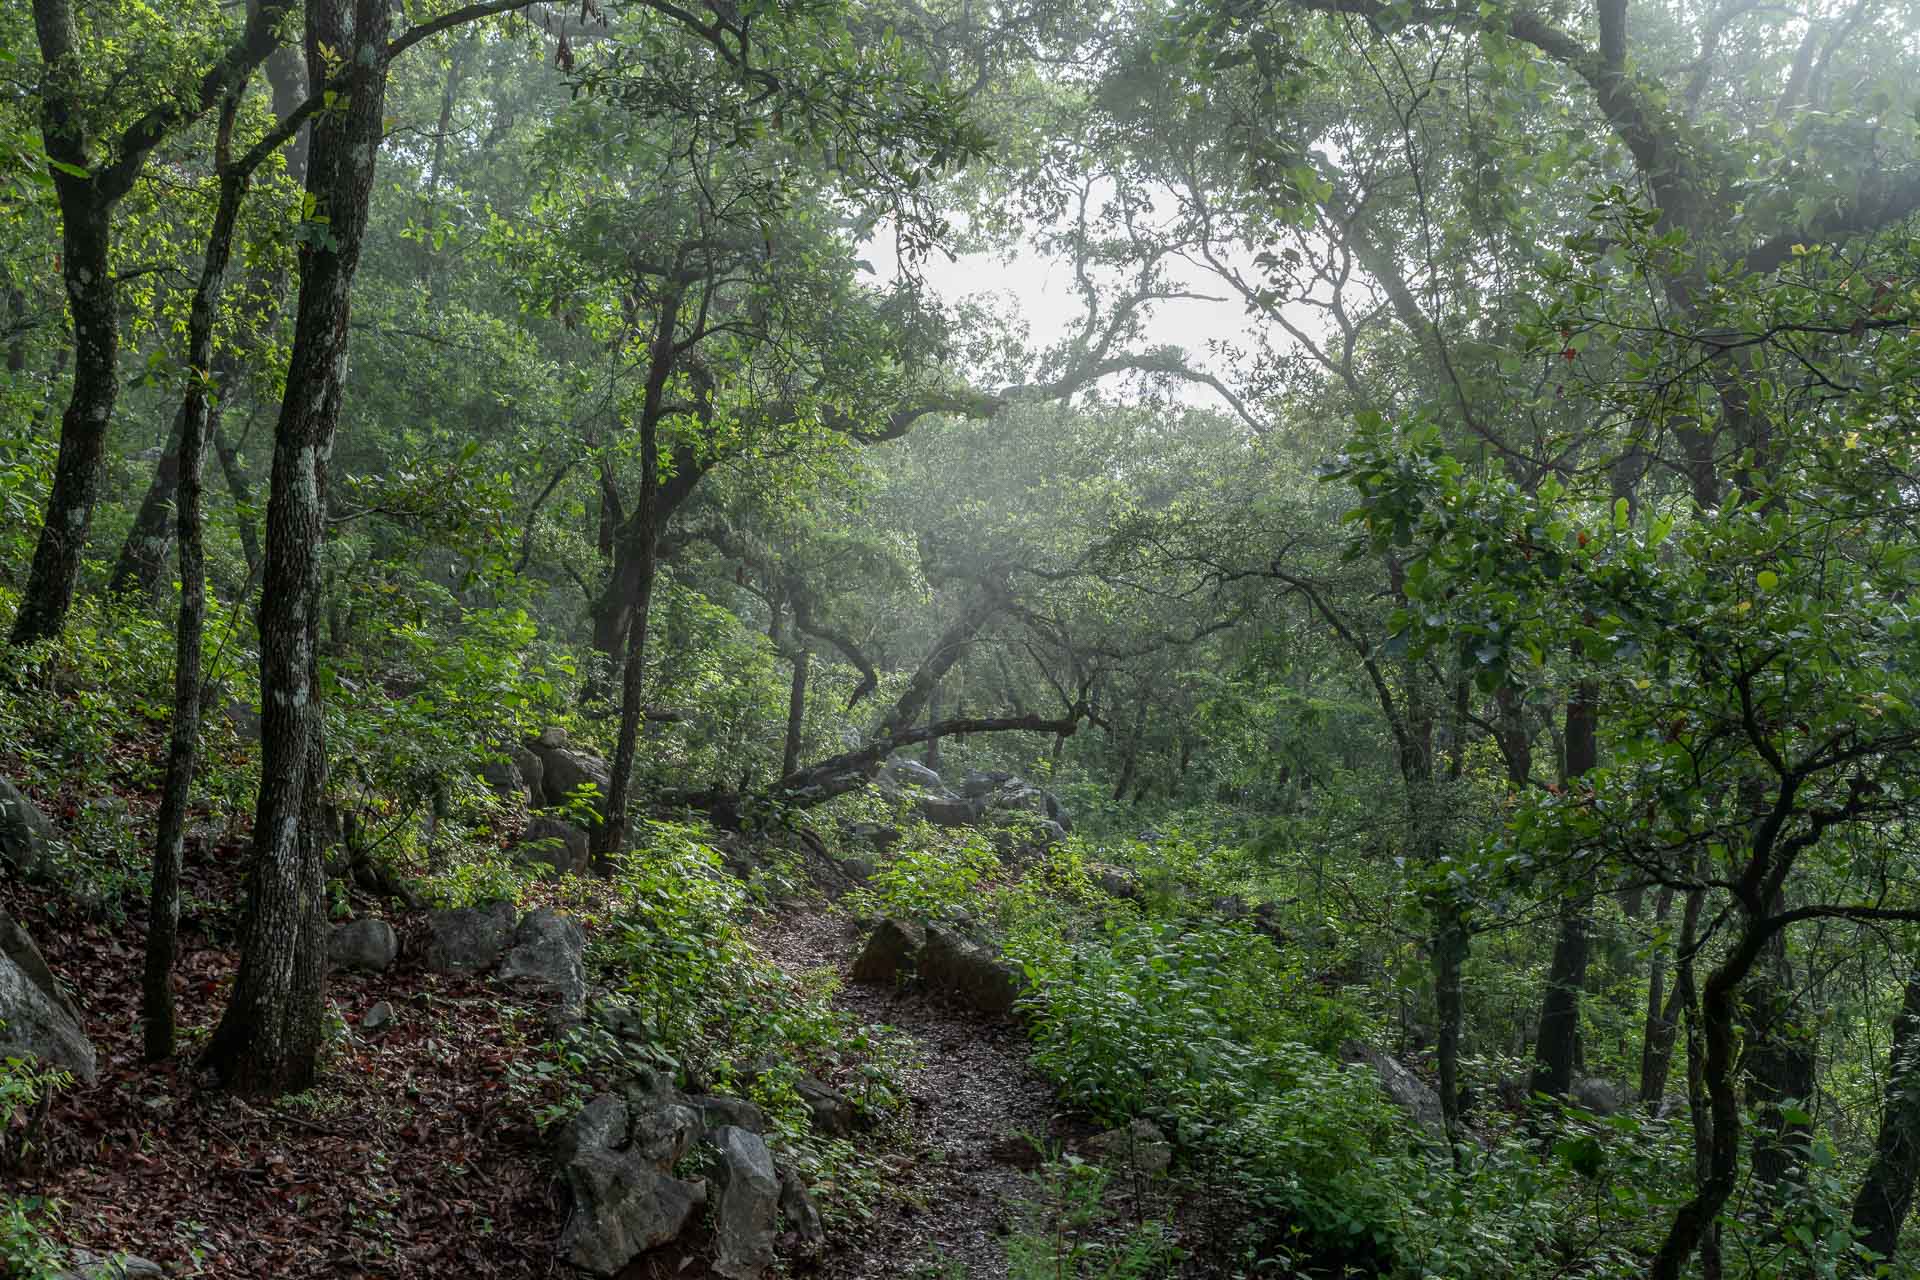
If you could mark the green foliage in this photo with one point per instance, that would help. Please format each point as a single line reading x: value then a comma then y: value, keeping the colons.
x: 1065, y: 1229
x: 25, y: 1247
x: 931, y: 875
x: 26, y: 1094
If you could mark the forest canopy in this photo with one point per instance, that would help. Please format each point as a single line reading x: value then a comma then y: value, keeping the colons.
x: 1441, y: 746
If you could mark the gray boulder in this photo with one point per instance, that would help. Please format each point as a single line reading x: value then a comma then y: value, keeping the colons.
x: 470, y: 939
x: 749, y: 1197
x: 623, y: 1207
x: 368, y: 944
x: 831, y: 1110
x: 563, y: 770
x: 377, y: 1019
x: 1407, y: 1090
x: 717, y: 1111
x: 897, y: 775
x: 549, y: 954
x: 37, y: 1020
x: 969, y: 973
x: 951, y: 811
x: 1602, y: 1097
x: 26, y: 836
x: 1139, y: 1146
x: 118, y: 1266
x: 983, y: 784
x: 665, y: 1132
x: 889, y: 953
x: 601, y: 1125
x: 873, y: 835
x: 802, y: 1215
x: 504, y: 778
x: 554, y: 843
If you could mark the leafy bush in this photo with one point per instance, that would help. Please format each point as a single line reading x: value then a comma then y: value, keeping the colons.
x: 932, y: 876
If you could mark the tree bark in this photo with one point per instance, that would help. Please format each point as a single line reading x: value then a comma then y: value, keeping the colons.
x: 796, y: 712
x: 143, y: 554
x: 87, y: 190
x: 1886, y: 1194
x: 1558, y: 1039
x: 268, y: 1040
x: 196, y: 412
x: 1663, y: 1010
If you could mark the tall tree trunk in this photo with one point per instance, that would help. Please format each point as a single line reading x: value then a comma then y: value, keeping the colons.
x: 143, y: 554
x: 87, y: 274
x: 242, y: 496
x: 1663, y: 1010
x: 269, y: 1038
x: 1555, y: 1047
x: 637, y: 561
x: 933, y: 744
x: 796, y: 712
x: 163, y: 912
x: 1886, y: 1194
x: 1780, y: 1065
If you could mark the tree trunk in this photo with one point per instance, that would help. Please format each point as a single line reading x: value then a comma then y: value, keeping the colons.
x: 1557, y: 1043
x: 1886, y: 1194
x: 1780, y: 1067
x: 269, y: 1038
x: 241, y: 495
x: 796, y: 712
x: 163, y: 914
x: 87, y: 274
x: 143, y: 555
x: 933, y: 744
x: 1663, y: 1010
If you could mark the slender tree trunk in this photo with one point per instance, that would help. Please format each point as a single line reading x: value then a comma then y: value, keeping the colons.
x: 241, y: 494
x: 1132, y: 757
x: 269, y: 1038
x: 796, y: 712
x: 86, y: 271
x: 638, y: 558
x: 933, y: 744
x: 1556, y: 1046
x: 1663, y: 1010
x: 1780, y: 1065
x: 1886, y: 1194
x: 143, y: 555
x: 163, y: 914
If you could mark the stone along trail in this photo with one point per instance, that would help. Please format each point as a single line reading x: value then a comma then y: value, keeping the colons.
x: 973, y: 1104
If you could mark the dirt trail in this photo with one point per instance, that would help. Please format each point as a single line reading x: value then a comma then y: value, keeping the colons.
x: 965, y: 1160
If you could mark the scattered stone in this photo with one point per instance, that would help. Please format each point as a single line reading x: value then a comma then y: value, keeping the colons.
x: 1116, y: 883
x: 549, y: 953
x: 898, y: 774
x: 858, y: 870
x: 832, y: 1112
x: 874, y: 835
x: 118, y: 1266
x: 621, y: 1209
x: 982, y: 784
x: 664, y: 1133
x: 1139, y: 1145
x: 951, y: 811
x: 37, y: 1020
x: 601, y: 1125
x: 969, y: 973
x: 744, y: 1214
x: 26, y: 836
x: 802, y: 1215
x: 1602, y: 1097
x: 1407, y: 1090
x: 504, y: 779
x: 620, y: 1017
x: 563, y: 769
x: 889, y: 953
x: 554, y: 842
x: 720, y: 1111
x: 368, y: 944
x: 470, y: 939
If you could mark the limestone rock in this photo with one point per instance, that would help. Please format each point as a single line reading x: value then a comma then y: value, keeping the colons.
x: 368, y: 944
x: 558, y: 844
x: 1409, y: 1091
x: 119, y: 1266
x: 37, y: 1020
x: 744, y: 1214
x: 601, y: 1125
x: 719, y: 1112
x: 802, y: 1215
x: 621, y: 1209
x: 889, y: 952
x: 26, y: 836
x: 898, y: 775
x: 549, y: 954
x: 1600, y: 1096
x: 951, y: 811
x: 377, y: 1019
x: 664, y: 1133
x: 564, y: 769
x: 470, y: 939
x: 832, y: 1112
x: 969, y: 973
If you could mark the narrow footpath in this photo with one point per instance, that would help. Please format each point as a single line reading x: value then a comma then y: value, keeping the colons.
x: 975, y: 1110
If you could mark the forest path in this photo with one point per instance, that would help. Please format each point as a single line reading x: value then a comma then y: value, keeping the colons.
x: 961, y: 1165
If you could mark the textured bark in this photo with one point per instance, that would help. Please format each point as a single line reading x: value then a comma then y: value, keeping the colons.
x: 269, y: 1038
x: 796, y: 712
x: 1556, y: 1046
x: 1663, y: 1010
x: 163, y: 915
x: 1886, y: 1194
x: 87, y: 191
x: 1779, y: 1062
x: 143, y: 555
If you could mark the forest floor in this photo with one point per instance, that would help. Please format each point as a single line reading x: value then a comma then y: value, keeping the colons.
x: 977, y: 1122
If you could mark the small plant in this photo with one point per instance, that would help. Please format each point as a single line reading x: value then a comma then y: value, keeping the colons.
x: 26, y: 1095
x: 1069, y: 1234
x: 937, y: 879
x: 25, y: 1251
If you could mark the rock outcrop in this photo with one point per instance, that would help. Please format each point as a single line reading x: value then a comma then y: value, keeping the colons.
x: 38, y: 1021
x: 368, y: 944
